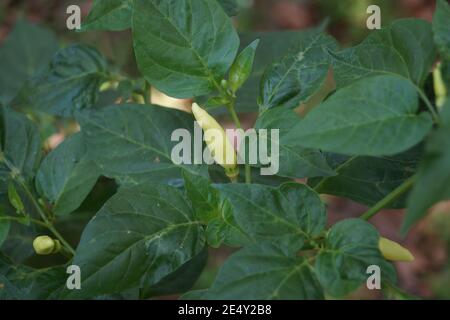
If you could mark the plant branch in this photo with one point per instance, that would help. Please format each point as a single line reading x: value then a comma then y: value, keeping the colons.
x: 237, y: 122
x: 17, y: 219
x: 391, y: 197
x: 429, y: 105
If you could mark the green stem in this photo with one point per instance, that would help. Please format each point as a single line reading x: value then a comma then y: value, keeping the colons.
x: 17, y: 219
x: 48, y: 224
x: 429, y: 106
x: 237, y: 122
x: 391, y: 197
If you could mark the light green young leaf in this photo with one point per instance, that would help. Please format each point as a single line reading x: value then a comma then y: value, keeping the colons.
x: 289, y: 214
x: 183, y: 48
x: 111, y: 15
x: 433, y: 182
x: 351, y: 246
x: 66, y: 175
x: 70, y: 83
x: 265, y: 272
x: 242, y: 66
x: 373, y: 117
x: 26, y: 50
x: 404, y: 49
x: 300, y: 73
x: 140, y: 236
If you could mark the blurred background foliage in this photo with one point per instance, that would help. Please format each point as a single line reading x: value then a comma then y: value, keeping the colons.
x: 428, y: 276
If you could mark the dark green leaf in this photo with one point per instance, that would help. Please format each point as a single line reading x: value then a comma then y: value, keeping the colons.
x: 272, y: 46
x: 183, y: 47
x: 140, y: 236
x: 441, y: 27
x: 351, y: 246
x: 24, y: 52
x: 4, y: 228
x: 181, y: 280
x: 20, y: 145
x: 66, y: 175
x: 300, y: 73
x: 405, y: 49
x: 242, y: 66
x: 295, y: 161
x: 132, y: 143
x: 112, y: 15
x: 70, y: 83
x: 433, y: 182
x: 291, y: 213
x: 265, y: 271
x: 367, y: 180
x: 374, y: 117
x: 230, y: 7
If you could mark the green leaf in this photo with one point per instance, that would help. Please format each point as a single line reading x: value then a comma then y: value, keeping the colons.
x: 441, y: 28
x: 351, y: 246
x: 373, y: 117
x: 69, y: 83
x: 66, y: 175
x: 4, y: 229
x: 24, y: 52
x: 433, y: 181
x: 183, y: 47
x: 242, y: 66
x: 140, y: 236
x: 367, y: 180
x: 20, y: 145
x: 25, y: 283
x: 405, y: 49
x: 14, y: 198
x: 272, y: 46
x: 112, y: 15
x: 265, y: 272
x: 132, y: 143
x: 224, y: 230
x: 204, y: 198
x: 300, y: 73
x: 181, y: 280
x: 291, y: 213
x: 230, y: 6
x: 195, y: 295
x: 295, y: 161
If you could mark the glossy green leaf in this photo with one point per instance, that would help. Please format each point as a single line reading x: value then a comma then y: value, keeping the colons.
x: 66, y: 175
x: 20, y: 146
x: 367, y: 180
x: 26, y: 50
x: 69, y: 83
x: 373, y: 117
x: 441, y: 27
x: 289, y: 214
x: 132, y: 143
x: 183, y: 47
x: 433, y: 182
x: 139, y: 236
x: 300, y: 73
x: 112, y: 15
x: 242, y: 67
x: 351, y: 246
x: 295, y: 161
x: 405, y: 49
x: 265, y: 272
